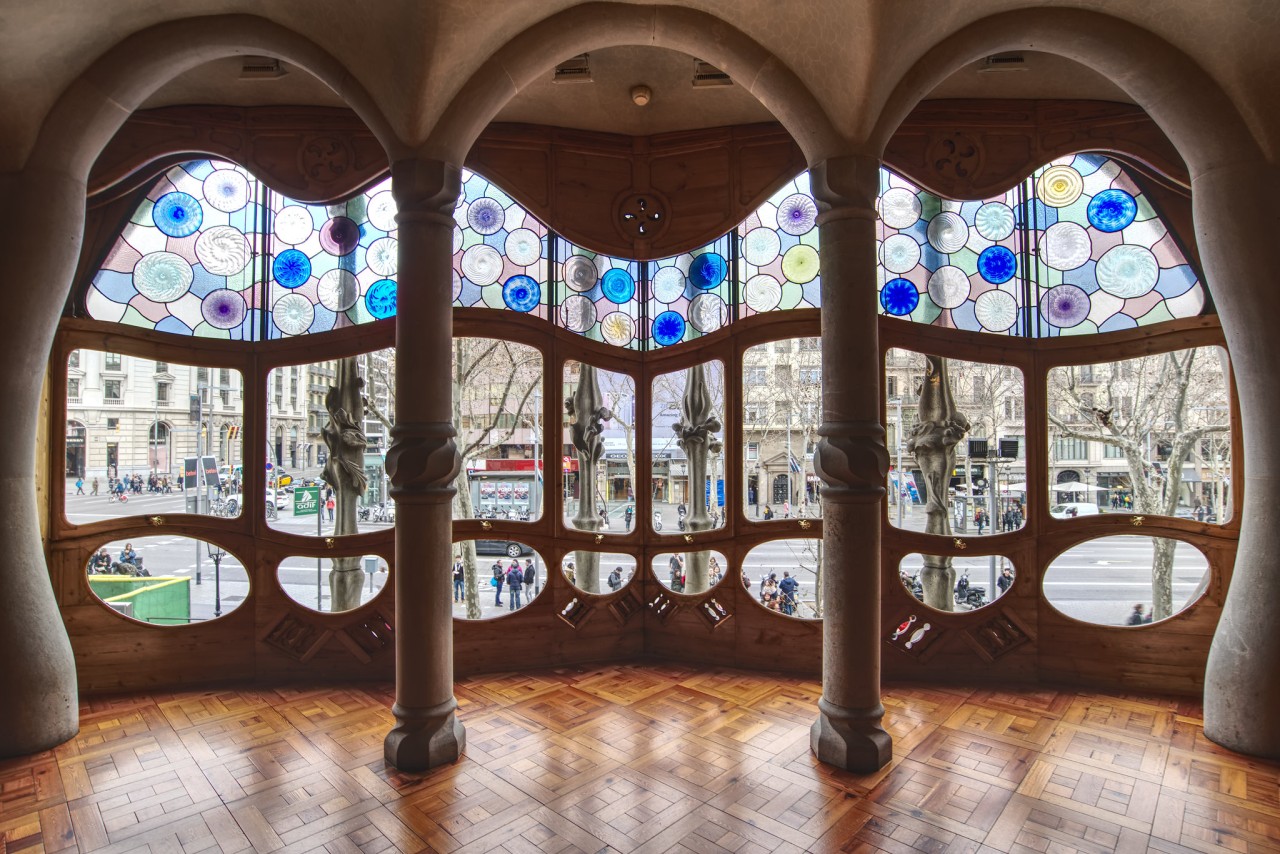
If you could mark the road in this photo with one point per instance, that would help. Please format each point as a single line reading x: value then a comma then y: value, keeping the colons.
x: 1097, y: 581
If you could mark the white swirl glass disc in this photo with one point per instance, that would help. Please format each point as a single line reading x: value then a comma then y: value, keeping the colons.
x: 668, y: 284
x: 994, y: 221
x: 383, y: 256
x: 949, y: 287
x: 996, y: 310
x: 899, y: 208
x: 1059, y: 186
x: 524, y: 247
x: 578, y: 313
x: 948, y: 232
x: 707, y: 312
x: 580, y: 273
x: 293, y: 314
x: 1065, y: 246
x: 486, y: 215
x: 457, y: 239
x: 457, y: 285
x: 617, y: 329
x: 1127, y: 271
x: 222, y: 250
x: 294, y: 224
x: 899, y: 253
x: 762, y: 293
x: 382, y: 211
x: 482, y: 264
x: 226, y: 190
x: 797, y: 214
x: 162, y: 276
x: 761, y: 246
x: 338, y: 290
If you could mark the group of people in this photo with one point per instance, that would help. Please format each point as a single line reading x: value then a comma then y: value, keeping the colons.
x: 515, y: 578
x: 780, y: 596
x: 129, y: 562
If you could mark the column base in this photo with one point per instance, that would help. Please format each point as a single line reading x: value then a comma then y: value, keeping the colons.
x: 852, y: 739
x: 423, y: 739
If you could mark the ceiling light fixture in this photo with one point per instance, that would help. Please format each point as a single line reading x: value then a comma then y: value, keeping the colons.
x: 641, y: 95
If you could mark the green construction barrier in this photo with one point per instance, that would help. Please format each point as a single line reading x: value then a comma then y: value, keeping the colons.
x: 163, y: 599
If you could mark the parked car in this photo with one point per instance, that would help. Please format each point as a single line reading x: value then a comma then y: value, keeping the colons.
x: 1073, y: 510
x: 510, y: 548
x: 279, y: 499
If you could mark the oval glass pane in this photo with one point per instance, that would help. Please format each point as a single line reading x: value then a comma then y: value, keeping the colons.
x: 599, y: 496
x: 781, y: 413
x: 786, y: 576
x: 494, y: 577
x: 1126, y: 580
x: 147, y: 437
x: 687, y: 429
x: 1150, y: 436
x: 690, y: 572
x: 975, y: 579
x: 598, y: 572
x: 333, y: 584
x: 985, y: 480
x: 167, y: 581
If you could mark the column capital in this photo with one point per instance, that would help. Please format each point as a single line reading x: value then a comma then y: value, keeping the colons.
x: 423, y: 462
x: 852, y: 461
x: 425, y: 189
x: 846, y: 187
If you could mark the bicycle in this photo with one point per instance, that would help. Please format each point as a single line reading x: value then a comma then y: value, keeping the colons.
x: 121, y: 497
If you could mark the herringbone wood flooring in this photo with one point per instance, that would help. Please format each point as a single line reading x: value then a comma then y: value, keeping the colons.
x: 638, y: 758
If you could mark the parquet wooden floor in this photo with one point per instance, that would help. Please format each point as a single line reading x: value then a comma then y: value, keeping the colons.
x: 638, y: 758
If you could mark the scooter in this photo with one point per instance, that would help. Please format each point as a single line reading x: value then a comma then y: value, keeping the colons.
x: 969, y: 596
x: 657, y: 521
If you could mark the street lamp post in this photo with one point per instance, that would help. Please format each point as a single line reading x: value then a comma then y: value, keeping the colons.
x: 899, y: 484
x: 216, y: 554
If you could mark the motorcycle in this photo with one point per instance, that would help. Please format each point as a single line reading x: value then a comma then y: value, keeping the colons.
x: 657, y: 521
x: 968, y: 595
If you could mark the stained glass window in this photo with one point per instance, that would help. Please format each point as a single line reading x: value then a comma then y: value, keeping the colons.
x: 600, y: 295
x: 499, y: 251
x: 1075, y: 249
x: 690, y: 294
x: 779, y: 251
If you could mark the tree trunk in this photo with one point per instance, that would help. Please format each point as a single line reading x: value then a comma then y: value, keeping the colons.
x: 1162, y: 578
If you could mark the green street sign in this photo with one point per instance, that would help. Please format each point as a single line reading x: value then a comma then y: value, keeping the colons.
x: 306, y: 500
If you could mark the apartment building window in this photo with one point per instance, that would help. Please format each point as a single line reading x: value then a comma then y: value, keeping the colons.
x: 1071, y: 449
x: 111, y: 361
x: 810, y: 412
x: 111, y: 389
x: 224, y: 377
x: 202, y: 376
x: 753, y: 451
x: 162, y: 367
x: 753, y: 413
x: 1112, y: 452
x: 810, y: 343
x: 113, y: 424
x: 783, y: 346
x: 73, y: 387
x: 225, y: 394
x: 162, y: 394
x: 891, y: 387
x: 811, y: 376
x: 73, y: 360
x: 756, y: 376
x: 1013, y: 407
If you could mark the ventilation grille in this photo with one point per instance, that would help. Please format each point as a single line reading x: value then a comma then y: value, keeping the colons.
x: 706, y: 74
x: 576, y: 70
x: 1001, y: 62
x: 261, y: 68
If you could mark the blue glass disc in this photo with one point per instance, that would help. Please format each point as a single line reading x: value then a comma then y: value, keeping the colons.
x: 668, y: 328
x: 381, y: 298
x: 177, y: 214
x: 521, y: 293
x: 899, y: 297
x: 707, y: 270
x: 1112, y: 210
x: 618, y: 286
x: 291, y: 269
x: 997, y: 264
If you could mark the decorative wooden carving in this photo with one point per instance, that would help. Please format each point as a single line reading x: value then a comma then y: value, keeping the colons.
x: 295, y: 637
x: 998, y: 636
x: 625, y: 607
x: 915, y: 634
x: 373, y: 634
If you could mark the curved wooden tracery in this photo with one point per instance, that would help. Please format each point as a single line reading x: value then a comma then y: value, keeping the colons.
x: 283, y: 639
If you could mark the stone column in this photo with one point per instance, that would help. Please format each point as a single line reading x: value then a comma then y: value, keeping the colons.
x: 422, y: 464
x: 852, y: 462
x: 1235, y: 220
x: 42, y: 223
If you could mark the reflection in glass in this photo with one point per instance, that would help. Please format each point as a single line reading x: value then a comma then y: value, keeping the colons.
x: 1126, y: 580
x: 610, y: 483
x: 688, y: 452
x: 494, y: 577
x: 975, y: 579
x: 1150, y: 435
x: 131, y: 424
x: 167, y: 580
x: 309, y: 580
x: 986, y: 489
x: 613, y: 571
x: 786, y: 576
x: 674, y: 571
x: 497, y: 411
x: 782, y: 410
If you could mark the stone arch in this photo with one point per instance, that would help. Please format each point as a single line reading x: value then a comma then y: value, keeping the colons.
x: 593, y: 26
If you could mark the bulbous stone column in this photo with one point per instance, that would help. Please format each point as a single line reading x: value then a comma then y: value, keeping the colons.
x: 422, y: 463
x: 1234, y: 209
x: 695, y: 434
x: 933, y: 443
x: 41, y: 223
x: 586, y: 412
x: 853, y: 463
x: 344, y: 436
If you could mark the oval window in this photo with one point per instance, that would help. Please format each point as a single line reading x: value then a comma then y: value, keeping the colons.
x: 972, y: 588
x: 786, y: 576
x: 690, y: 572
x: 333, y: 584
x: 494, y: 577
x: 598, y: 572
x: 167, y: 581
x: 1126, y: 580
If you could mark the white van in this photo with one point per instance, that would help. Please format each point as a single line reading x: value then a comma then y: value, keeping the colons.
x: 1073, y: 510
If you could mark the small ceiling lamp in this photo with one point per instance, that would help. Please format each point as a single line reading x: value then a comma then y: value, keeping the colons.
x: 641, y: 95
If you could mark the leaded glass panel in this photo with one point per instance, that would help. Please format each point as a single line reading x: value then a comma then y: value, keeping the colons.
x: 690, y: 294
x: 600, y: 295
x: 499, y: 251
x: 779, y: 267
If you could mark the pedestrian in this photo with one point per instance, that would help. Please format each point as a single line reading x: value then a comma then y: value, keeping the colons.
x: 787, y: 587
x: 604, y: 518
x: 786, y: 510
x: 676, y: 565
x: 570, y: 573
x: 1136, y: 618
x: 95, y: 486
x: 496, y: 582
x: 615, y: 579
x: 1005, y: 581
x: 628, y: 515
x: 768, y: 512
x: 79, y: 486
x: 329, y: 505
x: 980, y: 519
x: 458, y: 592
x: 515, y: 583
x: 531, y: 586
x: 716, y: 572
